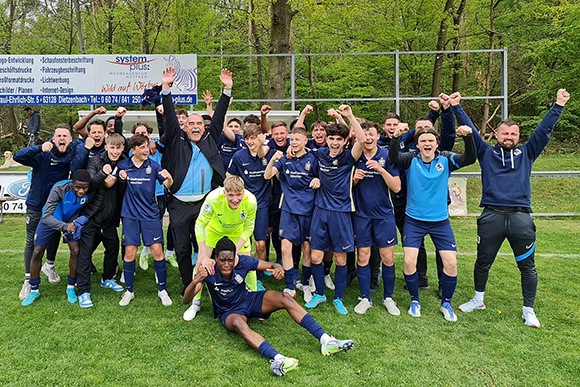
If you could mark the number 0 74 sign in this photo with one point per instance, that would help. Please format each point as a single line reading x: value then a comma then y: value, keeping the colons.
x: 14, y: 187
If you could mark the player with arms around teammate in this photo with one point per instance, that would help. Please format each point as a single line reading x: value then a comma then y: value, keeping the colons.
x: 298, y: 177
x: 229, y: 211
x: 331, y: 226
x: 427, y: 171
x: 234, y: 305
x: 506, y: 198
x: 140, y: 214
x: 374, y: 219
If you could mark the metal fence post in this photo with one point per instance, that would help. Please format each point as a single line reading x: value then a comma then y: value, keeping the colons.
x: 504, y: 84
x: 397, y: 85
x: 293, y: 81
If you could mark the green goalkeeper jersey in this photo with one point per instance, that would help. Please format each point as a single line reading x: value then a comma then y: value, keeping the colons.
x: 216, y: 219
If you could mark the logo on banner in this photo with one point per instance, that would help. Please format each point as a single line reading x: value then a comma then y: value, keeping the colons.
x: 19, y: 189
x: 133, y: 61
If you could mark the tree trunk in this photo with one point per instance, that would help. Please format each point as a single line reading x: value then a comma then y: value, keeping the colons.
x: 457, y: 21
x: 487, y: 80
x: 279, y: 44
x: 80, y: 33
x: 254, y: 41
x: 441, y: 39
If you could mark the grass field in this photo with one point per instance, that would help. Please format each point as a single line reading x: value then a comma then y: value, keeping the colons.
x: 146, y: 344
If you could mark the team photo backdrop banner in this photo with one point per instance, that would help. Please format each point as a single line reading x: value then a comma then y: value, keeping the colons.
x: 92, y: 79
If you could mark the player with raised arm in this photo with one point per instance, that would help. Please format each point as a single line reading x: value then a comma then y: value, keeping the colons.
x: 141, y: 215
x: 506, y: 198
x: 373, y: 221
x: 427, y: 171
x: 234, y: 305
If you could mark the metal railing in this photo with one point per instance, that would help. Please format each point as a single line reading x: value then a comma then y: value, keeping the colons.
x: 397, y: 98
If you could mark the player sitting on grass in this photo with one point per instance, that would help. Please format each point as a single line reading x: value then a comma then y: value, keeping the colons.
x: 233, y: 304
x: 60, y: 214
x: 427, y: 174
x: 141, y: 215
x: 298, y: 177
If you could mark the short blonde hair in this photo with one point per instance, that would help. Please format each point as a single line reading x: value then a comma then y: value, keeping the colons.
x: 233, y: 184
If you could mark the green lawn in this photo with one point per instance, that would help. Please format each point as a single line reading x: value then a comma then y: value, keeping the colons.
x: 55, y: 343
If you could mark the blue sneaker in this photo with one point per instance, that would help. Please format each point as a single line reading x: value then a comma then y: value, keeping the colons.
x: 260, y: 286
x: 111, y: 284
x: 85, y: 300
x: 31, y: 298
x: 194, y: 259
x: 71, y: 295
x: 447, y: 311
x: 339, y: 306
x: 316, y: 300
x: 415, y: 309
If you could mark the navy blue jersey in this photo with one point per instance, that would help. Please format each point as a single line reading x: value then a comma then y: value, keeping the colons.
x: 311, y: 144
x: 227, y: 294
x: 371, y: 194
x: 276, y: 187
x: 335, y: 174
x: 139, y: 201
x: 251, y: 169
x: 296, y: 174
x: 228, y: 148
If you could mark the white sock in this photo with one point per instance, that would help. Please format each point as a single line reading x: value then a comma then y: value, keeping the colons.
x: 70, y: 286
x: 196, y: 302
x: 279, y: 357
x: 325, y: 338
x: 49, y: 264
x: 479, y: 296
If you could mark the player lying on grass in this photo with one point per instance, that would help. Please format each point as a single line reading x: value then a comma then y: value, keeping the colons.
x: 233, y: 304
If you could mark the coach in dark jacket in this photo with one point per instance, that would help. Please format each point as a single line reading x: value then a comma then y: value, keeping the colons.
x: 192, y: 157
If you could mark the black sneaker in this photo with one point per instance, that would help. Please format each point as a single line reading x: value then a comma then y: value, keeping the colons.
x: 374, y: 287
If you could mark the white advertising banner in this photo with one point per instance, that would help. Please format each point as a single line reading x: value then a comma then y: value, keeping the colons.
x: 14, y: 188
x: 458, y: 194
x: 92, y: 79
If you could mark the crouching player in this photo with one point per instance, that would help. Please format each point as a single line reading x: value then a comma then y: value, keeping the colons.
x: 61, y: 214
x: 299, y: 179
x: 427, y: 173
x: 141, y: 215
x: 233, y: 304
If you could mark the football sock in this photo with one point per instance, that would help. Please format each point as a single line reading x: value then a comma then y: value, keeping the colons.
x: 129, y: 270
x: 289, y: 278
x: 388, y: 280
x: 71, y: 282
x: 340, y: 274
x: 34, y: 282
x: 49, y: 264
x: 413, y: 285
x: 161, y: 270
x: 318, y: 274
x: 364, y: 280
x: 449, y: 284
x: 306, y: 274
x: 312, y: 326
x: 327, y: 266
x: 267, y: 350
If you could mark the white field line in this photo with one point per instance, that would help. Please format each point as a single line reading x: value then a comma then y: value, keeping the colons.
x: 459, y: 253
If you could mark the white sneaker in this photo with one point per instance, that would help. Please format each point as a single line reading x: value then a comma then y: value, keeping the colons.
x: 191, y: 312
x: 311, y: 284
x: 471, y: 305
x: 307, y: 294
x: 530, y: 317
x: 127, y: 298
x: 328, y: 282
x: 164, y: 297
x: 144, y: 258
x: 51, y: 273
x: 391, y: 306
x: 362, y: 306
x: 25, y: 291
x: 290, y: 292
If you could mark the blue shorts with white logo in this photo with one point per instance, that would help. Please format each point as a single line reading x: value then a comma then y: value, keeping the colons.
x: 150, y: 230
x: 250, y: 308
x: 440, y: 232
x: 44, y: 234
x: 295, y: 228
x: 331, y: 230
x: 261, y: 224
x: 382, y: 231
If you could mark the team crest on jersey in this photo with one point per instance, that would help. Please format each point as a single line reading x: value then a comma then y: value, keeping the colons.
x: 382, y: 162
x: 83, y: 200
x: 335, y: 162
x: 243, y: 215
x: 238, y: 278
x: 307, y: 166
x: 280, y: 232
x: 517, y: 152
x: 264, y: 162
x: 148, y: 170
x: 402, y: 145
x: 206, y: 209
x: 439, y: 167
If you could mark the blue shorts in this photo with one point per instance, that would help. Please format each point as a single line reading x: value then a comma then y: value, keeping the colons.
x: 382, y: 231
x: 261, y: 224
x: 274, y: 213
x: 151, y: 230
x: 331, y: 230
x: 250, y: 308
x: 294, y: 227
x: 44, y: 235
x: 414, y: 231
